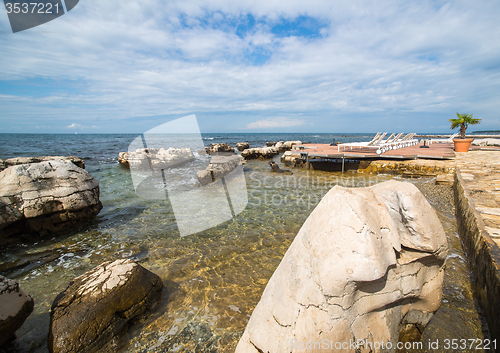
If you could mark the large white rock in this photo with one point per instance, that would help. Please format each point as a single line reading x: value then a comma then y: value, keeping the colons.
x: 260, y: 152
x: 365, y: 260
x: 46, y: 197
x: 286, y: 145
x: 148, y: 158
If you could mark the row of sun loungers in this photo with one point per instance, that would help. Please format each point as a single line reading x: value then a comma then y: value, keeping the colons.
x: 448, y: 140
x: 393, y: 142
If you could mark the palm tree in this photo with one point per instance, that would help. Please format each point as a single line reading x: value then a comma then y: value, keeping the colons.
x: 463, y: 120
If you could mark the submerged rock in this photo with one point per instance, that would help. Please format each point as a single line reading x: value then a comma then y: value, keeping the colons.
x: 90, y: 315
x: 15, y: 307
x: 366, y: 262
x: 276, y: 169
x: 242, y: 146
x: 260, y: 152
x: 220, y: 148
x: 219, y: 167
x: 5, y: 163
x: 148, y: 158
x: 45, y: 198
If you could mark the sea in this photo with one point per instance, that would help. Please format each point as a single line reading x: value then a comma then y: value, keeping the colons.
x: 212, y: 278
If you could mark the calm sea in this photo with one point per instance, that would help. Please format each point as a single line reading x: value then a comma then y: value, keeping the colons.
x: 213, y: 279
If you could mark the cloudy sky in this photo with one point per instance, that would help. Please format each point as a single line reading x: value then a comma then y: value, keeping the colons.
x: 253, y: 66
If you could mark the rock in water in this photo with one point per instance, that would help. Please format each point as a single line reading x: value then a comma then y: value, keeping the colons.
x: 220, y: 148
x: 15, y: 307
x: 47, y: 197
x: 276, y: 169
x: 259, y: 152
x: 292, y: 159
x: 153, y: 158
x: 286, y: 146
x: 365, y: 262
x: 91, y: 313
x: 242, y: 146
x: 219, y: 167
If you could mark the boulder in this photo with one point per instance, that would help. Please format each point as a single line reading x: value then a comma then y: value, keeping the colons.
x: 5, y: 163
x: 95, y: 309
x: 45, y: 198
x: 292, y: 159
x: 242, y: 146
x: 220, y: 148
x: 15, y: 307
x: 270, y: 144
x: 276, y: 169
x: 259, y: 152
x: 147, y: 158
x: 366, y: 262
x: 286, y: 146
x: 219, y: 167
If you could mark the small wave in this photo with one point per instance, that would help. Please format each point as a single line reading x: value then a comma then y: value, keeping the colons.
x: 208, y: 138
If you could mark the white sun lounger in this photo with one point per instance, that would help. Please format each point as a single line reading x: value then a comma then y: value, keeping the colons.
x: 448, y: 140
x: 375, y: 142
x: 398, y: 142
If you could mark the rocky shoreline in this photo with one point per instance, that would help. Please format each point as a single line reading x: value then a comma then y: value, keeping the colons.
x: 148, y: 286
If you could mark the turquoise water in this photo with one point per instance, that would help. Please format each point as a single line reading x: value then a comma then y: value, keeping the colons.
x: 213, y: 279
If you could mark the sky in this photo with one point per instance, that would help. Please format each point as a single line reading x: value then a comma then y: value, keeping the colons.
x: 118, y: 66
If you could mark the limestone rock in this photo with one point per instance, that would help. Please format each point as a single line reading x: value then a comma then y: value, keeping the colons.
x: 46, y: 197
x: 286, y: 146
x: 242, y: 146
x: 92, y: 312
x: 260, y: 152
x: 219, y: 167
x: 147, y: 158
x: 292, y: 159
x: 220, y: 148
x: 365, y: 262
x: 270, y: 144
x: 15, y: 307
x: 5, y: 163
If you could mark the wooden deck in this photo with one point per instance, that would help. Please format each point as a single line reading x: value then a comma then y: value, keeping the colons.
x: 435, y: 151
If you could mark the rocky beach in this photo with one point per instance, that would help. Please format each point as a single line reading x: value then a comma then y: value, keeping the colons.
x: 91, y: 245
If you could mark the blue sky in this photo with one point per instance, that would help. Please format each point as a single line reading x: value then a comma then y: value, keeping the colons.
x: 254, y: 66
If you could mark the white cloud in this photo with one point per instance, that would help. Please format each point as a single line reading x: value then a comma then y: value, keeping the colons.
x: 74, y: 125
x: 274, y: 122
x: 117, y: 60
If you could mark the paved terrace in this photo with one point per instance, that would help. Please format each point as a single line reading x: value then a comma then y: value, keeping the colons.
x: 477, y: 201
x: 480, y: 171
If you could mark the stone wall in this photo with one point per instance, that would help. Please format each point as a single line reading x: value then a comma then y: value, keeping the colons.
x: 407, y: 168
x: 483, y: 254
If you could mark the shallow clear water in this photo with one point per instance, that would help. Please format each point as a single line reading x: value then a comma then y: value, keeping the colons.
x: 213, y: 279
